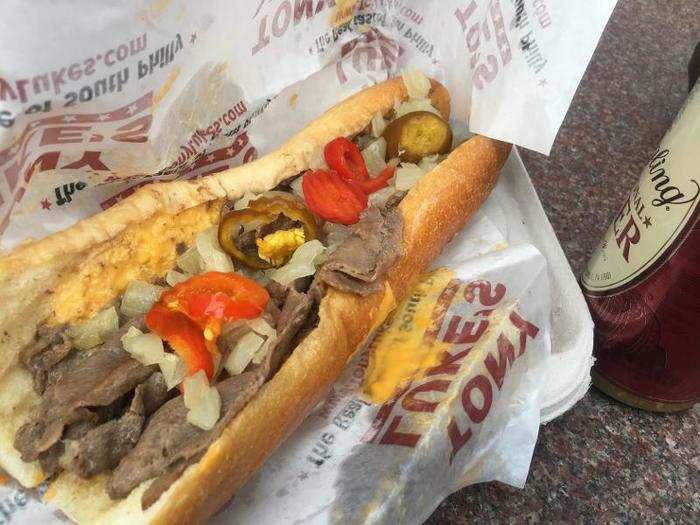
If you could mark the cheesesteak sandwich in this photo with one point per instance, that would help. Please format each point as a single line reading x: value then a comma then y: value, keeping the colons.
x: 155, y: 354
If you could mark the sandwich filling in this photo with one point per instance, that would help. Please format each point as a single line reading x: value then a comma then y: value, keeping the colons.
x: 140, y: 391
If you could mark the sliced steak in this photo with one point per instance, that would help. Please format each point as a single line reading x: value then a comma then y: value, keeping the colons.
x: 281, y: 222
x: 50, y: 459
x: 278, y: 292
x: 155, y: 393
x: 246, y: 242
x: 360, y: 261
x: 169, y: 440
x: 162, y: 483
x: 292, y: 318
x: 50, y: 347
x: 87, y: 379
x: 334, y: 234
x: 271, y: 313
x: 101, y: 448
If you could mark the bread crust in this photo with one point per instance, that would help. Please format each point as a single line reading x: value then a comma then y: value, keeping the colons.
x: 433, y: 211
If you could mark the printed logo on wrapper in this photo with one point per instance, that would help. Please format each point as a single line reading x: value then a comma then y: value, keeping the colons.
x: 472, y: 334
x: 485, y: 65
x: 370, y: 52
x: 489, y: 40
x: 77, y: 141
x: 41, y: 146
x: 99, y: 143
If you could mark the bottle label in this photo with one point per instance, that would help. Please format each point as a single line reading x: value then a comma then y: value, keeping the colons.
x: 650, y: 224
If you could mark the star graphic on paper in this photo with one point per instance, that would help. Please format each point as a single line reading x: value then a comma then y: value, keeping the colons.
x: 69, y: 118
x: 303, y: 475
x: 193, y: 37
x: 103, y: 116
x: 210, y: 158
x: 647, y: 221
x: 132, y: 109
x: 543, y: 82
x: 229, y: 152
x: 45, y: 204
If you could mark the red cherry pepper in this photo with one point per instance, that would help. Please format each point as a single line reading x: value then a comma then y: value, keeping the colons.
x: 184, y: 336
x: 344, y: 157
x: 331, y: 198
x: 189, y: 316
x: 341, y: 194
x: 217, y: 295
x: 377, y: 183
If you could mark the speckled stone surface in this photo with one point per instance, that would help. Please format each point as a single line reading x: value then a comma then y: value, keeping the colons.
x: 603, y: 462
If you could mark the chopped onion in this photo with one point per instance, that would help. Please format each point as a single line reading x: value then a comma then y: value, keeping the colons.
x: 429, y: 163
x: 131, y: 332
x: 245, y: 200
x: 262, y: 351
x: 262, y: 327
x: 417, y: 84
x: 145, y: 348
x: 303, y: 263
x: 190, y: 261
x: 407, y: 176
x: 243, y: 353
x: 378, y: 125
x: 296, y: 187
x: 379, y: 197
x: 374, y: 155
x: 96, y: 330
x: 174, y: 277
x: 173, y: 369
x: 203, y: 401
x: 251, y: 342
x: 422, y: 104
x: 139, y: 297
x: 148, y: 349
x: 213, y: 258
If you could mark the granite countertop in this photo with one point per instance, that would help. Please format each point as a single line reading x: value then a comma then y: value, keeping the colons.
x: 602, y: 461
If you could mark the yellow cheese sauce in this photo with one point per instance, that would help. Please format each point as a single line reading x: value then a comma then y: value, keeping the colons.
x: 403, y: 349
x: 143, y: 251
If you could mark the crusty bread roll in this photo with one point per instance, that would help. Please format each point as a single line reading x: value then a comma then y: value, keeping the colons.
x: 72, y: 274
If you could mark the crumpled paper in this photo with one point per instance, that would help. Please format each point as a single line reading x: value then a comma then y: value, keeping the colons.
x: 144, y: 91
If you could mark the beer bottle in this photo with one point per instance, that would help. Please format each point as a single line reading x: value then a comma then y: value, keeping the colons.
x: 642, y: 283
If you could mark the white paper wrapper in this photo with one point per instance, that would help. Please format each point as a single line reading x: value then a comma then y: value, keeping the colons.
x: 174, y: 90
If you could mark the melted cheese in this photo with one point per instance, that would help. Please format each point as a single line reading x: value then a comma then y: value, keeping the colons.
x: 401, y: 351
x: 144, y: 251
